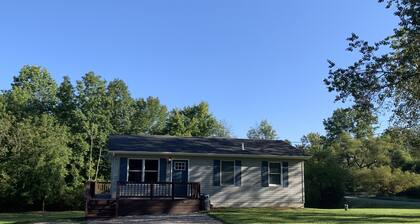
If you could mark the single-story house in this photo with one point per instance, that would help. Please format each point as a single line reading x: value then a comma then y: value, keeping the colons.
x: 233, y: 172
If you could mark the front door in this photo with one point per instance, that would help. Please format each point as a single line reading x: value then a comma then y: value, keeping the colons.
x: 180, y: 175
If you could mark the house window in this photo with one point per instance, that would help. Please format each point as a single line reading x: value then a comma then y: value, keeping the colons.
x: 135, y: 170
x: 151, y: 171
x: 179, y: 166
x: 143, y: 170
x: 274, y: 172
x: 228, y: 172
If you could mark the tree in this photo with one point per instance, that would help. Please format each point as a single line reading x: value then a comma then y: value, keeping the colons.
x: 36, y: 155
x: 222, y: 130
x: 66, y: 105
x: 324, y: 176
x: 263, y: 130
x: 149, y: 116
x: 350, y: 120
x: 195, y: 120
x: 377, y: 77
x: 121, y: 106
x: 33, y: 92
x: 66, y: 113
x: 385, y: 180
x: 361, y: 153
x: 94, y: 116
x: 175, y: 124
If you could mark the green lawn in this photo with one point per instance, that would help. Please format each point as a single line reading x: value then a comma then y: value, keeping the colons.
x: 308, y: 215
x: 31, y: 217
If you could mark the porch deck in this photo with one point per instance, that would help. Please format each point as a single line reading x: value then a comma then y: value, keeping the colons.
x: 140, y: 198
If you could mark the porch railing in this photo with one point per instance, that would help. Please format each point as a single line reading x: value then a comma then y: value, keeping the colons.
x: 94, y: 189
x: 158, y: 190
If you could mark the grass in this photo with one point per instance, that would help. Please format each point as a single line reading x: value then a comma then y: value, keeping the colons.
x: 308, y: 215
x: 32, y: 217
x: 360, y: 202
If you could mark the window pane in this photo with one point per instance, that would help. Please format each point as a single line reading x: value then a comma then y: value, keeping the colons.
x: 179, y: 166
x: 285, y: 174
x: 227, y: 166
x: 151, y: 165
x: 274, y: 167
x: 135, y: 164
x: 275, y: 179
x: 227, y: 178
x: 134, y: 176
x: 151, y: 177
x: 227, y: 172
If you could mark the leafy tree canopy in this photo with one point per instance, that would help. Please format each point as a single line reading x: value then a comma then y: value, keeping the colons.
x: 353, y: 121
x: 263, y: 130
x: 387, y: 73
x: 33, y: 92
x: 149, y: 116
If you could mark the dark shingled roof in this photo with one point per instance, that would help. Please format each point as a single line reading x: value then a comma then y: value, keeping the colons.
x: 201, y: 145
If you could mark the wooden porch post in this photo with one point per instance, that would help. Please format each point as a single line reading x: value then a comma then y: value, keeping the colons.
x: 173, y: 191
x: 151, y: 190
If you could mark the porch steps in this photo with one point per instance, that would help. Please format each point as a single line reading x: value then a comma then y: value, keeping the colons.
x: 101, y: 208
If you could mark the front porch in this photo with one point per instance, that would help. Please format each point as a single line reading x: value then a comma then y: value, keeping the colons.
x: 140, y: 198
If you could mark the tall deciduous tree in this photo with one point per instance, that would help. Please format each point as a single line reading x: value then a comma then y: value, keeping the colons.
x: 263, y: 130
x: 66, y: 105
x: 149, y: 116
x: 66, y: 113
x: 324, y: 176
x: 121, y: 106
x: 195, y: 120
x: 94, y: 116
x: 36, y: 155
x: 359, y: 123
x: 377, y: 77
x: 33, y: 92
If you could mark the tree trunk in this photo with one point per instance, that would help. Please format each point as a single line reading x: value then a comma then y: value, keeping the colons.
x: 90, y: 157
x: 97, y: 165
x: 43, y: 205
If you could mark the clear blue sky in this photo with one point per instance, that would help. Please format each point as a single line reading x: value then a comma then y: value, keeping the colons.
x: 250, y: 60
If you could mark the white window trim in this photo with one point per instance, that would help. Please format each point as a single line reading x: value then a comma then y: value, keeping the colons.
x: 143, y: 171
x: 221, y: 173
x: 281, y: 174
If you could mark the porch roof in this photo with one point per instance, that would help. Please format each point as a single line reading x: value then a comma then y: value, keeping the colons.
x: 201, y: 145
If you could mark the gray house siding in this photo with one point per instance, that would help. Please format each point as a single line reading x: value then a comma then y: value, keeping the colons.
x: 249, y: 194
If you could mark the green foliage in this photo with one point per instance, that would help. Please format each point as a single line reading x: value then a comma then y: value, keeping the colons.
x: 264, y: 130
x: 385, y: 181
x: 53, y: 138
x: 361, y: 153
x: 350, y: 120
x: 149, y: 116
x: 121, y: 106
x: 348, y: 161
x: 35, y: 155
x: 324, y: 177
x: 377, y: 77
x: 195, y: 120
x: 95, y: 119
x: 66, y: 106
x: 33, y: 92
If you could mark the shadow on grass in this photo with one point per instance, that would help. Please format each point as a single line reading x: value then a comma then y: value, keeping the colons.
x: 264, y: 215
x: 31, y: 217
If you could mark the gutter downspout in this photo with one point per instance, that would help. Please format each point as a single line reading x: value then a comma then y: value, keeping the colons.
x: 303, y: 182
